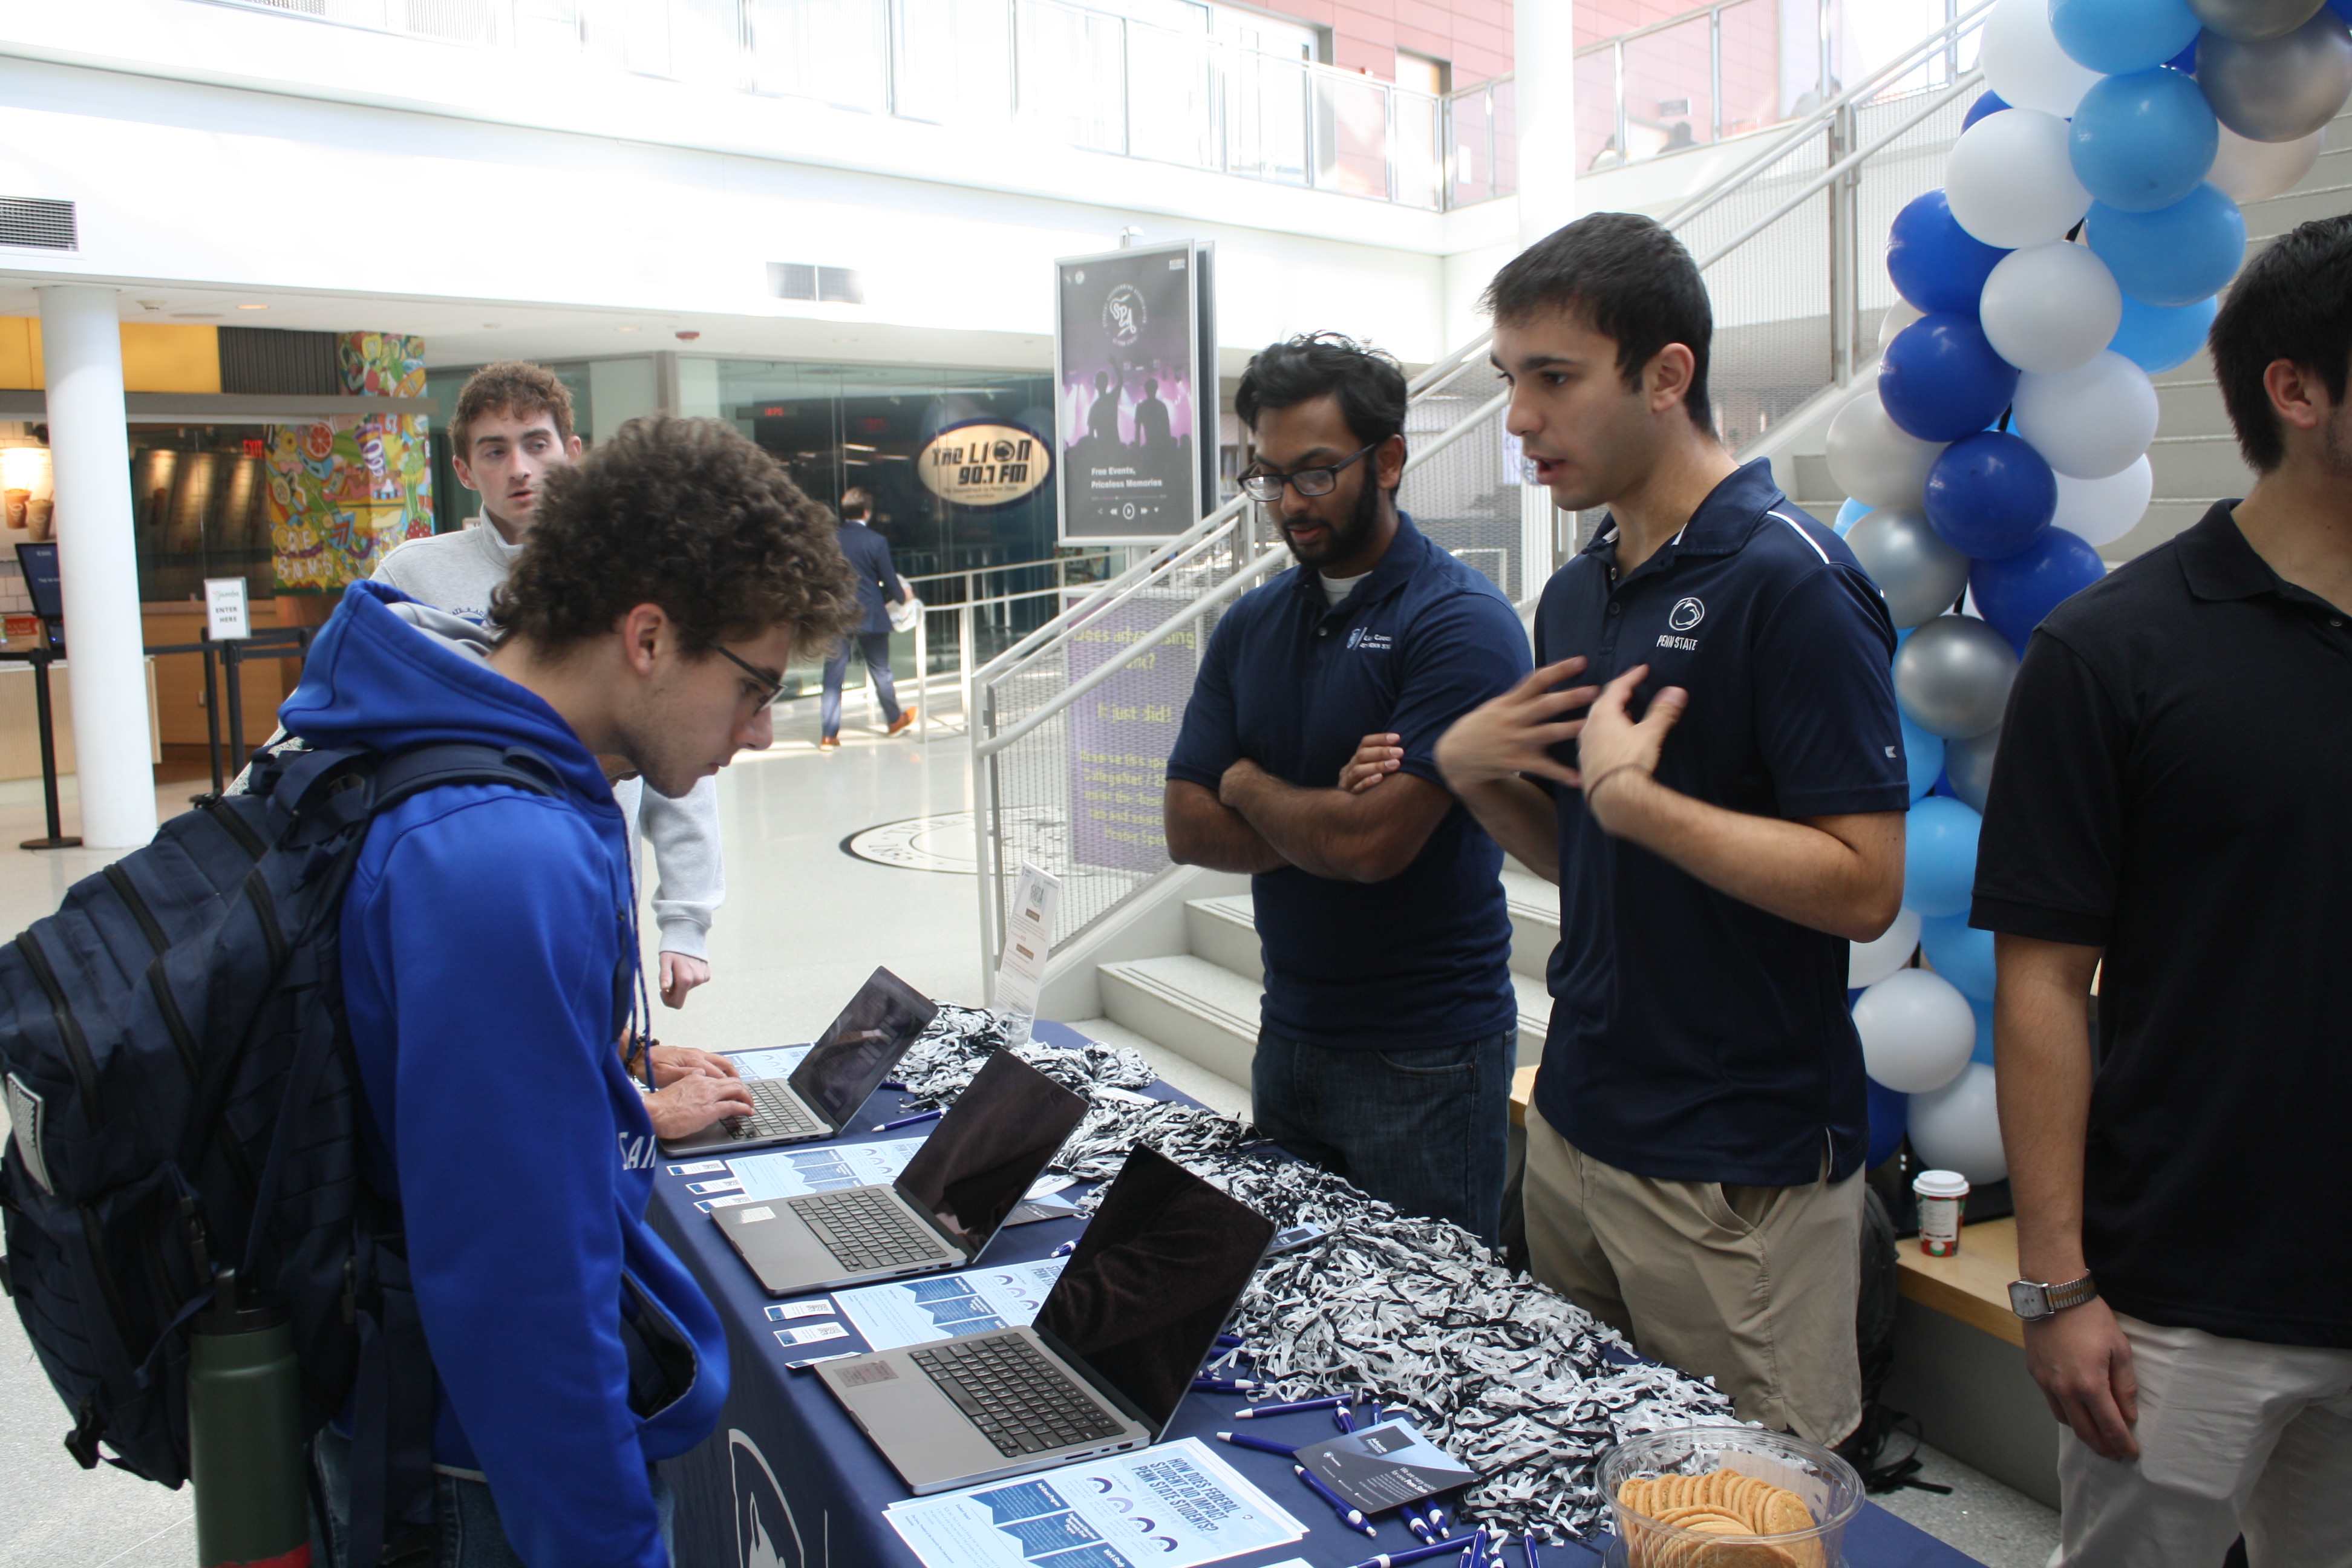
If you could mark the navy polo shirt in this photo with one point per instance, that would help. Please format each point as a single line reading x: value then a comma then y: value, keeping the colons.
x: 1423, y: 959
x: 1693, y: 1037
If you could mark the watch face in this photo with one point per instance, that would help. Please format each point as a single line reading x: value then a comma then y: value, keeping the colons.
x: 2028, y: 1300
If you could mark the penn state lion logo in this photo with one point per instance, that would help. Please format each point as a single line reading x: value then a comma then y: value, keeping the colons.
x: 1687, y: 614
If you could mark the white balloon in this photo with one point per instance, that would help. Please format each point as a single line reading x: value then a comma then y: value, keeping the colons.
x: 2023, y: 63
x: 1899, y: 315
x: 1957, y: 1128
x: 2011, y: 181
x: 2100, y: 512
x: 1876, y: 461
x: 2090, y: 422
x: 2050, y: 307
x: 1871, y: 962
x: 1917, y: 1031
x: 2250, y: 171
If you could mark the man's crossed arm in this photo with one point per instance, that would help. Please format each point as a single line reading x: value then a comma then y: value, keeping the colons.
x: 1255, y: 822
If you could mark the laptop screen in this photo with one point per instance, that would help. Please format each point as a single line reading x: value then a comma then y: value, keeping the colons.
x: 1153, y: 1280
x: 994, y: 1142
x: 857, y: 1050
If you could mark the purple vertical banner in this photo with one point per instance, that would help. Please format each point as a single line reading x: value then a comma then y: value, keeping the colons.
x: 1122, y: 732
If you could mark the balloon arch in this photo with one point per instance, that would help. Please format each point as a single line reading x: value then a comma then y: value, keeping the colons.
x: 2089, y: 217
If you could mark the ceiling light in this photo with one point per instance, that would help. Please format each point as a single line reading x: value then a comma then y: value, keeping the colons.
x: 195, y: 315
x: 253, y: 307
x: 628, y: 329
x: 152, y: 304
x: 854, y: 446
x: 490, y: 326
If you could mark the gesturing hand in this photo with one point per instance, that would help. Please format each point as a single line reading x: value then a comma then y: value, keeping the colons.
x: 1514, y: 733
x: 1611, y: 742
x: 1377, y: 757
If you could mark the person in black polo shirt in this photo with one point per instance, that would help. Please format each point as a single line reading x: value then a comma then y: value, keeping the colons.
x: 2174, y: 797
x: 1388, y: 1024
x: 1695, y: 1149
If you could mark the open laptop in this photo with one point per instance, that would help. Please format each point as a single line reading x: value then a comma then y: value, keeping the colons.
x: 856, y: 1052
x: 941, y: 1213
x: 1115, y: 1348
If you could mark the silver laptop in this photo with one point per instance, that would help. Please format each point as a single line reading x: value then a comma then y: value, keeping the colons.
x: 1115, y: 1349
x: 857, y: 1051
x: 993, y: 1143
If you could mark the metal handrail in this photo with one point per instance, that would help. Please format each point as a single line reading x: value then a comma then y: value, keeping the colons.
x: 1795, y: 133
x: 1633, y: 34
x: 1014, y: 566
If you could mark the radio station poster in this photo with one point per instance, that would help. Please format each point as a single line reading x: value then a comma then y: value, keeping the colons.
x: 1131, y: 419
x: 1123, y: 731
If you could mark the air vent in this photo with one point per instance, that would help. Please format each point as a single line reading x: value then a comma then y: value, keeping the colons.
x: 272, y: 360
x: 829, y: 285
x: 37, y: 223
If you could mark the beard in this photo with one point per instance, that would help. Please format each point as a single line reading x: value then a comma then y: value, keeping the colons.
x: 1343, y: 539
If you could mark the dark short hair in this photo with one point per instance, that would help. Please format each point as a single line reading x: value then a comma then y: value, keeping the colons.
x: 857, y: 502
x: 2294, y: 301
x: 515, y: 388
x: 1630, y: 279
x: 687, y: 514
x: 1368, y: 381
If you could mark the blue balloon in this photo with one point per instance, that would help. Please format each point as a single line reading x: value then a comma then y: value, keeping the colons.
x: 1939, y: 856
x: 2144, y: 141
x: 2113, y: 37
x: 1940, y: 380
x: 1987, y: 102
x: 1852, y: 512
x: 1890, y: 1119
x: 2158, y: 337
x: 2342, y: 8
x: 1982, y: 1051
x: 1923, y: 756
x: 1989, y: 494
x: 1937, y: 264
x: 1961, y: 955
x: 2176, y: 255
x: 1944, y: 785
x: 2015, y: 592
x: 2186, y: 60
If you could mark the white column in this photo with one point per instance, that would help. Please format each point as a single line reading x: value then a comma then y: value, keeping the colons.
x: 1543, y: 71
x: 98, y: 564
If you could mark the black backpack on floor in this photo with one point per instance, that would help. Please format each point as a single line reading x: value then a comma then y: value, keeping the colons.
x: 179, y: 1080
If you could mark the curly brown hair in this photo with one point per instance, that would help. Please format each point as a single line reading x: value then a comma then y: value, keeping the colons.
x: 516, y: 388
x: 683, y: 514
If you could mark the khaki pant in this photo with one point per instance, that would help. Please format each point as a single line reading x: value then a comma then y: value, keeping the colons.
x: 2235, y: 1435
x: 1753, y: 1287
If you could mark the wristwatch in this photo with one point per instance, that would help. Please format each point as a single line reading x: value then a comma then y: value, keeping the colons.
x: 2033, y: 1302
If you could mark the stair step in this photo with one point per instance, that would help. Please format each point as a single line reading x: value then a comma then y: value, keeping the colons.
x: 1534, y: 904
x: 2198, y: 466
x: 1225, y: 932
x: 1202, y: 1011
x: 1535, y: 1018
x: 2191, y: 408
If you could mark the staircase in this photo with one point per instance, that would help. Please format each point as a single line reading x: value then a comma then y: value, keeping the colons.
x: 1201, y: 1005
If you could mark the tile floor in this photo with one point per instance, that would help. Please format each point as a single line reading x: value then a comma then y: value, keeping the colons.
x: 803, y: 924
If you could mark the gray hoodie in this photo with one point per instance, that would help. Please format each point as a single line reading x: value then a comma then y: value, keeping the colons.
x: 457, y: 572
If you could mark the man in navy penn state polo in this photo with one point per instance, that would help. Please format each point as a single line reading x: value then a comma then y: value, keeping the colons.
x: 1727, y: 814
x: 1389, y: 1025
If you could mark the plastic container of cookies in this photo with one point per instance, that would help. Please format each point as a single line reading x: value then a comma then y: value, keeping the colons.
x: 1728, y: 1497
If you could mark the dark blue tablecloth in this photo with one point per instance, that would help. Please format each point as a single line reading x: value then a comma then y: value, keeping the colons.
x: 789, y: 1481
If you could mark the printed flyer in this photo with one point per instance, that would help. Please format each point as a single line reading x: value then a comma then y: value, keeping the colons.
x: 793, y: 1173
x: 948, y: 1306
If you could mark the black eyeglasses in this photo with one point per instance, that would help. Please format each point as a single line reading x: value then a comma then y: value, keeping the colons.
x: 1266, y: 485
x: 771, y: 688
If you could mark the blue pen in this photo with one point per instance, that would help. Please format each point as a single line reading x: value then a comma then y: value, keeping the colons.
x: 1349, y: 1514
x: 1475, y: 1554
x: 1435, y: 1513
x: 1230, y: 1341
x: 1342, y: 1420
x: 1416, y: 1524
x: 1222, y: 1385
x: 1528, y: 1545
x: 909, y: 1120
x: 899, y: 1087
x: 1063, y: 1251
x: 1244, y: 1440
x: 1292, y: 1408
x: 1414, y: 1553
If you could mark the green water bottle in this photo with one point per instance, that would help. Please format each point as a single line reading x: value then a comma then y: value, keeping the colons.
x: 246, y: 1451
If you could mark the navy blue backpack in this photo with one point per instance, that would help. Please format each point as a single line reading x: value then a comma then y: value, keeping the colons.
x: 180, y: 1082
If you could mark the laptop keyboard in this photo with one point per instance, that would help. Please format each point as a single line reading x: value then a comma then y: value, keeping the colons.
x: 1021, y: 1402
x: 775, y: 1114
x: 864, y: 1229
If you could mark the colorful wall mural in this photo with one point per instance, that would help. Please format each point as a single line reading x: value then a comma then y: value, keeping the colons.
x: 345, y: 489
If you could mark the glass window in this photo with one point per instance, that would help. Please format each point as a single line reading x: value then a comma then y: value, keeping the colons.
x: 200, y: 508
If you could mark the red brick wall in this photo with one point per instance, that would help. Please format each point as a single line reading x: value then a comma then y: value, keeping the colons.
x: 1474, y: 36
x: 1673, y: 65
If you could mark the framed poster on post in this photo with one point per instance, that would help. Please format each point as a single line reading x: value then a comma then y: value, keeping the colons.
x: 1135, y: 402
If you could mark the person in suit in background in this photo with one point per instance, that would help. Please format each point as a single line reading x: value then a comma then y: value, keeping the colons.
x: 878, y: 587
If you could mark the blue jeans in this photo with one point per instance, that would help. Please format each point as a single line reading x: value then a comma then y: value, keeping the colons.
x: 1423, y: 1129
x: 468, y: 1532
x: 876, y: 647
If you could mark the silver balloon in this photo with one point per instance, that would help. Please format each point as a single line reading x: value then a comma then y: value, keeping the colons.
x: 2254, y: 21
x: 1968, y: 764
x: 1920, y: 574
x: 2282, y: 90
x: 1952, y: 677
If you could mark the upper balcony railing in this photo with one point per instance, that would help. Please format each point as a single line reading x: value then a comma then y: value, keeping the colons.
x: 1092, y: 78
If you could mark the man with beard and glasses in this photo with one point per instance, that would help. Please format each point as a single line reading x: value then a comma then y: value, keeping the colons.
x: 1388, y: 1024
